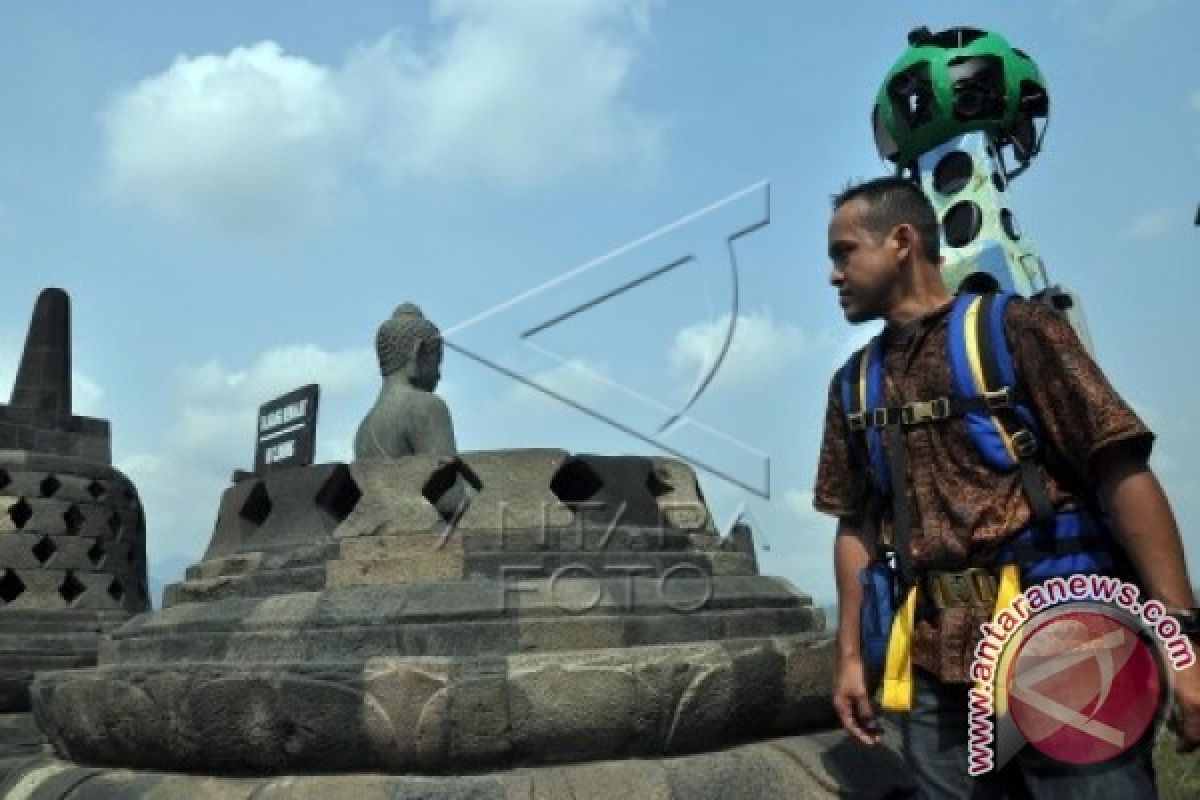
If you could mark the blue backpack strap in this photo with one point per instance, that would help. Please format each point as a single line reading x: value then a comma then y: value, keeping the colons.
x: 887, y: 466
x: 1000, y: 425
x: 862, y: 391
x: 1081, y: 544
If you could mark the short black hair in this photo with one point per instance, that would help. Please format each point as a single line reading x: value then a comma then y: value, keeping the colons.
x: 891, y: 201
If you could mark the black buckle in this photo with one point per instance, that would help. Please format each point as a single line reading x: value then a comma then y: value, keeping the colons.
x: 857, y: 420
x: 1000, y: 399
x: 1024, y: 443
x: 879, y: 417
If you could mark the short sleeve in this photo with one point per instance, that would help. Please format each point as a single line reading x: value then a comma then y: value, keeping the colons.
x: 840, y: 488
x: 1079, y: 410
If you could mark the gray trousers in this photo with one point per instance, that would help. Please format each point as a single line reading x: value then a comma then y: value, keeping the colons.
x: 935, y: 748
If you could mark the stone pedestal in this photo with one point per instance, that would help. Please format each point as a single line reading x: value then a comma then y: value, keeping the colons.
x: 582, y: 609
x: 814, y: 766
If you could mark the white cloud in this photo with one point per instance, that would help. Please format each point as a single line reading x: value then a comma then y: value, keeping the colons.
x: 760, y: 349
x: 1151, y: 224
x: 257, y: 139
x: 246, y: 140
x: 181, y: 479
x: 513, y: 92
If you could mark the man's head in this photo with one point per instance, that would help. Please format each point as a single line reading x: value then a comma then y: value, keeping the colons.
x: 411, y: 345
x: 882, y: 232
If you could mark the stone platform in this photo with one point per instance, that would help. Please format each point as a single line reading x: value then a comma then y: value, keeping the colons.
x: 816, y: 766
x: 580, y: 618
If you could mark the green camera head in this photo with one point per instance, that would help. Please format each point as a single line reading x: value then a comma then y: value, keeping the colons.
x: 953, y: 82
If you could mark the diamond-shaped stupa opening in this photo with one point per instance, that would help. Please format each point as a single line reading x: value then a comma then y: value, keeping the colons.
x: 44, y: 549
x: 658, y: 482
x: 115, y: 590
x: 20, y: 513
x: 96, y: 553
x: 11, y: 586
x: 575, y: 483
x: 71, y: 588
x: 116, y: 525
x: 257, y: 506
x: 49, y: 485
x: 97, y: 490
x: 339, y: 494
x: 73, y: 518
x: 441, y: 481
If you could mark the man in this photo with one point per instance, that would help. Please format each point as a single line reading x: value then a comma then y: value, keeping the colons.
x: 883, y: 241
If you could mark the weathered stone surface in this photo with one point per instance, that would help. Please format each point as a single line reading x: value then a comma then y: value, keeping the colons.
x: 524, y: 708
x: 20, y: 735
x: 396, y: 559
x: 818, y: 766
x: 392, y: 500
x: 515, y: 491
x: 285, y: 508
x: 70, y: 568
x: 580, y: 611
x: 678, y: 495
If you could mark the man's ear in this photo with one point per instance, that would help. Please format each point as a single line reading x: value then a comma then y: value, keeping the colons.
x: 904, y: 240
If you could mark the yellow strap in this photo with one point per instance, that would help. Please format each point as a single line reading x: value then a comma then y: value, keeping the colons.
x: 1009, y: 588
x: 971, y: 324
x: 897, y: 692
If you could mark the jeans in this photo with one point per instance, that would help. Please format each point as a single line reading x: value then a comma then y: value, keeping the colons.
x: 935, y: 749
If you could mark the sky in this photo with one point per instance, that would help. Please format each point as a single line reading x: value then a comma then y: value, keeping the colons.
x: 235, y: 196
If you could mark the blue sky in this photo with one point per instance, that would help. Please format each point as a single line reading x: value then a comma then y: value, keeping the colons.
x: 235, y: 195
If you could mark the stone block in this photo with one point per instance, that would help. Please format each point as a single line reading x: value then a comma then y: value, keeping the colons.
x: 477, y: 712
x: 396, y: 559
x: 515, y: 491
x: 392, y: 499
x: 578, y: 716
x: 677, y: 492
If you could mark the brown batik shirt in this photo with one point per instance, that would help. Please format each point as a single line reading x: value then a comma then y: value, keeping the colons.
x: 961, y: 509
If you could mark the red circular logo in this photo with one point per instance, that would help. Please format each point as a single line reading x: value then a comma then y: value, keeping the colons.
x: 1083, y: 686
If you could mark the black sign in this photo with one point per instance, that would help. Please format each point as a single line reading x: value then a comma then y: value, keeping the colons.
x: 287, y: 430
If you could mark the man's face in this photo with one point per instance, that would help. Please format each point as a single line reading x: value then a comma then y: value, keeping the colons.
x: 866, y: 268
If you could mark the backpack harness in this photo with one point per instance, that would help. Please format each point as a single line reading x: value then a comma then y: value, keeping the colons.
x: 1005, y: 432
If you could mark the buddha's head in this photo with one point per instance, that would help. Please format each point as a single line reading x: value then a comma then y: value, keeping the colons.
x: 411, y: 346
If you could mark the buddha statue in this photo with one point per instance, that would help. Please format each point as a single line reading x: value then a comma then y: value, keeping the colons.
x: 408, y: 418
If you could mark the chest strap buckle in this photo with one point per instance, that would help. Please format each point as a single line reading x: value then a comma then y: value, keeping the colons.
x: 925, y: 411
